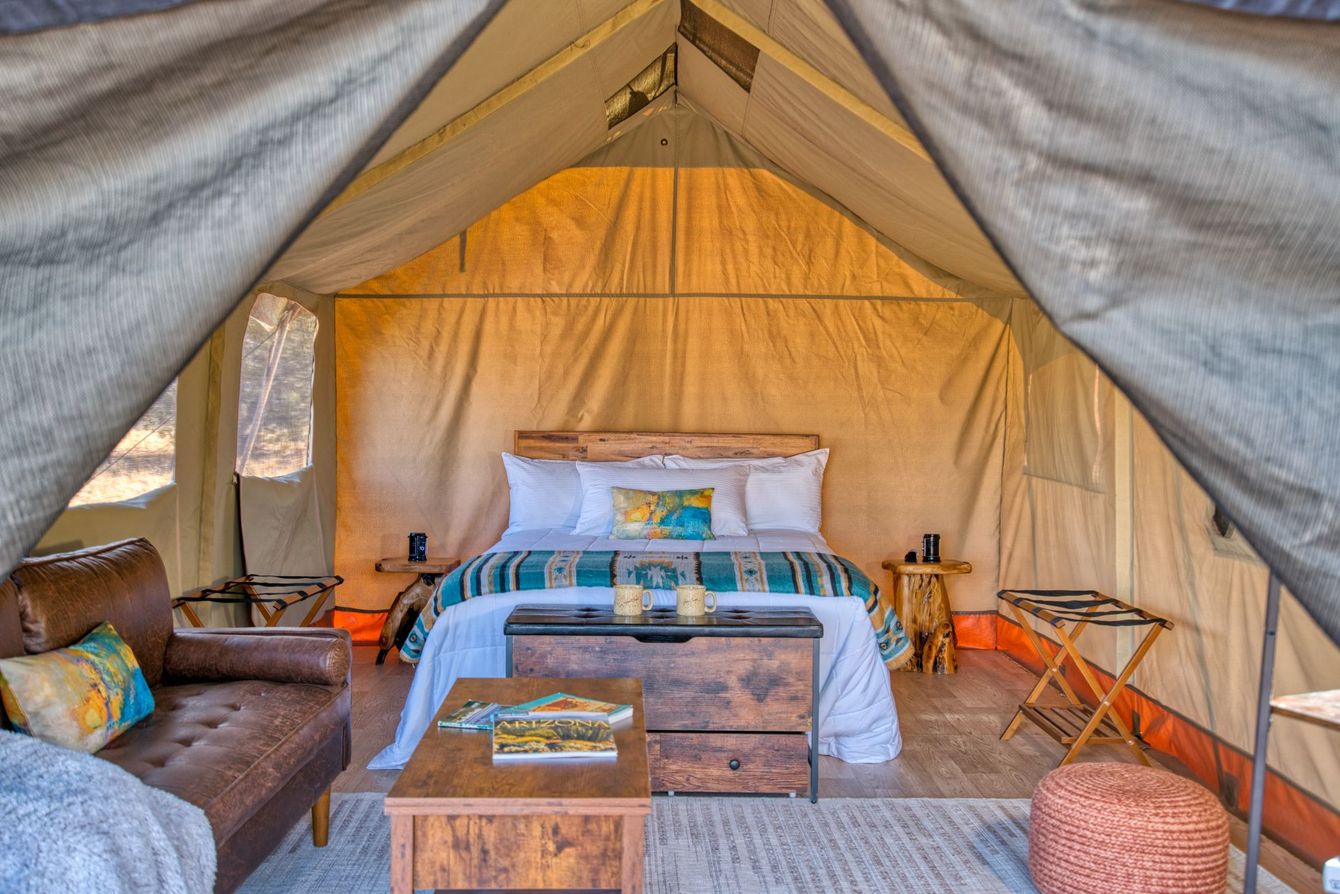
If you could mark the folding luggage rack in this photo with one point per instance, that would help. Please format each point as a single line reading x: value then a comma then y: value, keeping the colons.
x: 1077, y: 724
x: 269, y: 594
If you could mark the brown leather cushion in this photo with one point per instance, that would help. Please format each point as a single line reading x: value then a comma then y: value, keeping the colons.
x: 11, y: 629
x: 63, y: 597
x: 228, y: 747
x: 239, y: 654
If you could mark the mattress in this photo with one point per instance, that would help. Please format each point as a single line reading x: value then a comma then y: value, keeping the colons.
x: 857, y: 722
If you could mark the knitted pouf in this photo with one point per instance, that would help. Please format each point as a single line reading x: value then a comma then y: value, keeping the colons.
x: 1100, y: 828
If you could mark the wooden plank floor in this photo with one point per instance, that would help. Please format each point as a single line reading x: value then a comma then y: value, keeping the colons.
x: 951, y: 747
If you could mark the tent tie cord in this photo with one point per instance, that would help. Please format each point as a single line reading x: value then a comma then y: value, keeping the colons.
x: 1058, y: 607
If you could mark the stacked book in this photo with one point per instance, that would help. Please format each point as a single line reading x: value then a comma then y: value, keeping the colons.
x: 555, y: 727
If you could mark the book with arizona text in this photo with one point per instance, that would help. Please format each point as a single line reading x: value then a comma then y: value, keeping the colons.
x: 552, y: 738
x: 561, y: 704
x: 471, y: 715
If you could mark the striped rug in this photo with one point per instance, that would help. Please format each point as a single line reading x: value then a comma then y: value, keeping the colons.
x: 744, y: 846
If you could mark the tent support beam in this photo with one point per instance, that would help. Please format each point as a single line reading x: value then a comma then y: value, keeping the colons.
x: 565, y: 57
x: 832, y: 89
x: 1259, y: 752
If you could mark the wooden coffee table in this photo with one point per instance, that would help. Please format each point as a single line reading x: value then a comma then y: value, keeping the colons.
x: 459, y: 822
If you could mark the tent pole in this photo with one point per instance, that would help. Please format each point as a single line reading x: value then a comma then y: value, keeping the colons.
x: 1257, y: 808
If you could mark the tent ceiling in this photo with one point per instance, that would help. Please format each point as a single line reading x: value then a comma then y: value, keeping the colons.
x: 528, y: 99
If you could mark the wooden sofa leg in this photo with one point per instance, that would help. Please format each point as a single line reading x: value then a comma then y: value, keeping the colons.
x: 321, y: 819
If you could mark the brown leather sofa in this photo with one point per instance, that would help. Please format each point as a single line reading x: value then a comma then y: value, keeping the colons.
x: 251, y: 725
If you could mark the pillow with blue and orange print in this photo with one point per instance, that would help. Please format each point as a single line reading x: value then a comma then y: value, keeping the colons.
x: 662, y: 515
x: 80, y: 697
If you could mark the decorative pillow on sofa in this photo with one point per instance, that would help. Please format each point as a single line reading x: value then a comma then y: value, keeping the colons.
x: 82, y: 696
x: 662, y: 515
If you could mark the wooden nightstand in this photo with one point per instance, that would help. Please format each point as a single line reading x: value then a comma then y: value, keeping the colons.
x: 411, y: 600
x: 923, y: 607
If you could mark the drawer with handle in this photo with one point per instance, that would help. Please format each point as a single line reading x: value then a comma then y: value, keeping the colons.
x: 700, y: 683
x: 729, y: 762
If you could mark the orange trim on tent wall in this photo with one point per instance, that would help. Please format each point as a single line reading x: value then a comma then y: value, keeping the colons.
x: 364, y: 627
x: 975, y: 630
x: 1296, y: 819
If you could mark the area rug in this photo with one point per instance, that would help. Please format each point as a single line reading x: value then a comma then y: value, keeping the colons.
x: 744, y: 846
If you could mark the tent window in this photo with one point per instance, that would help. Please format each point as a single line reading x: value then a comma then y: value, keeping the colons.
x: 637, y: 94
x: 274, y: 411
x: 729, y: 51
x: 144, y: 460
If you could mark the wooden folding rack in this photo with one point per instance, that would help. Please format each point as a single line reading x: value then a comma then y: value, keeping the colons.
x: 270, y: 594
x: 1077, y: 724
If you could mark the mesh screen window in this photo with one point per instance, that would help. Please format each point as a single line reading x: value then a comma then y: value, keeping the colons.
x: 274, y: 413
x: 143, y: 461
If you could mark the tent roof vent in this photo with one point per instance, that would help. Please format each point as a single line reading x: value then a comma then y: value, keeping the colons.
x: 643, y: 89
x: 730, y: 52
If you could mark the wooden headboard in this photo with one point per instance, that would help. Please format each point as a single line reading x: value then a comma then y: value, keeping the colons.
x: 603, y: 446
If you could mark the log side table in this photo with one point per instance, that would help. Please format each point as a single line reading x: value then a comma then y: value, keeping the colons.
x: 923, y: 607
x: 411, y: 600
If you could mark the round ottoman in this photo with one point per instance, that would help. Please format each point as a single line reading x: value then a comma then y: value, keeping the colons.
x: 1102, y: 827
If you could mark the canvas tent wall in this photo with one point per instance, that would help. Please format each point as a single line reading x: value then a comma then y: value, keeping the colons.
x: 147, y: 248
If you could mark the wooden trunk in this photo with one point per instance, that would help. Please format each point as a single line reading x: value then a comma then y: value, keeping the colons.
x: 702, y: 684
x: 724, y: 713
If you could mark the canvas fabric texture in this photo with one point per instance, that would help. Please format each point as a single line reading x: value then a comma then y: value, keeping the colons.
x: 440, y: 360
x: 1094, y: 499
x: 282, y: 534
x: 152, y: 167
x: 1165, y: 182
x: 1161, y: 178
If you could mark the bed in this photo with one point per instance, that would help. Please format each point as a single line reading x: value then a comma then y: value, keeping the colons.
x: 858, y: 721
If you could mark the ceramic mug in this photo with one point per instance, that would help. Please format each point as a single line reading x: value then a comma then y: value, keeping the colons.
x: 631, y: 600
x: 692, y: 600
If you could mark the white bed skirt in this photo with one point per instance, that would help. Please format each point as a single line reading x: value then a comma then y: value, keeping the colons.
x: 858, y: 722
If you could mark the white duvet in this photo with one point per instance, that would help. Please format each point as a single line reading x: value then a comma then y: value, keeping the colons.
x: 857, y: 719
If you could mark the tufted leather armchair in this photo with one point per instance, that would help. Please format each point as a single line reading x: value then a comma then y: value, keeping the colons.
x: 251, y: 725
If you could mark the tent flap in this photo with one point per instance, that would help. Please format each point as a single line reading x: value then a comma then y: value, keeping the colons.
x: 1164, y: 180
x: 152, y: 166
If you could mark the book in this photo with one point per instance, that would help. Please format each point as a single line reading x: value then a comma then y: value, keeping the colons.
x: 560, y: 704
x: 553, y: 738
x: 471, y: 715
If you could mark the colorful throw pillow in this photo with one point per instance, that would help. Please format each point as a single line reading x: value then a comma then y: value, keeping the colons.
x: 82, y: 696
x: 662, y: 514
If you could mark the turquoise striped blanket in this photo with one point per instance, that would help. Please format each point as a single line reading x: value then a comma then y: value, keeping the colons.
x: 804, y: 574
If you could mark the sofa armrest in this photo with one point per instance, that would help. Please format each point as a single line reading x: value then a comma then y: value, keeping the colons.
x: 293, y: 655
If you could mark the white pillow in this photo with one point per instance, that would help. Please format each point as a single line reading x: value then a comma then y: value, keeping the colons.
x: 546, y: 493
x: 784, y: 493
x: 728, y: 519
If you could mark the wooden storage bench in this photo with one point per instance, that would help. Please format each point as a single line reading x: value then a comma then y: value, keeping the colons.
x: 730, y: 698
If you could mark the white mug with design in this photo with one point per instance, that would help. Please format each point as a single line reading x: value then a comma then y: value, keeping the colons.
x: 630, y: 600
x: 692, y: 600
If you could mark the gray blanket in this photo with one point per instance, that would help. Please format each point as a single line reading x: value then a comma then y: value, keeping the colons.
x: 72, y: 822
